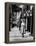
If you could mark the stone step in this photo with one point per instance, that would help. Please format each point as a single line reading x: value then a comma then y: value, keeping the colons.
x: 29, y: 38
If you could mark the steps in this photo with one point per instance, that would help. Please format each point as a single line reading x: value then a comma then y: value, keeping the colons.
x: 15, y: 34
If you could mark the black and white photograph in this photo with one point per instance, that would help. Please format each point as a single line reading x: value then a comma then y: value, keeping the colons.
x: 21, y: 22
